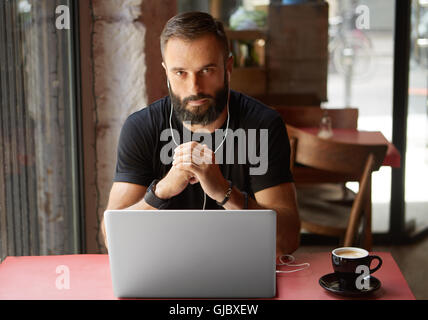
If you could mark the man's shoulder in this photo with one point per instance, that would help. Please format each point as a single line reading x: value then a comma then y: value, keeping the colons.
x: 253, y: 110
x: 154, y: 112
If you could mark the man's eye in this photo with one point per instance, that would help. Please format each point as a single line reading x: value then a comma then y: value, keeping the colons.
x: 206, y: 70
x: 179, y: 73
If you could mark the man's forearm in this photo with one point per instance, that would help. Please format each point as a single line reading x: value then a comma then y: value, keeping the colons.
x: 288, y: 231
x: 288, y: 227
x: 141, y: 205
x: 160, y: 192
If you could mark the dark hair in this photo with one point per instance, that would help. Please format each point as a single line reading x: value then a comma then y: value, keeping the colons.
x: 193, y: 25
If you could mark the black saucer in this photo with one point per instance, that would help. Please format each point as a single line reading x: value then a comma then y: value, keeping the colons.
x: 330, y: 282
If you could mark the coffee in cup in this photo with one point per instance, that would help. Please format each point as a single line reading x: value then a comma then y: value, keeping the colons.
x: 350, y: 253
x: 350, y: 263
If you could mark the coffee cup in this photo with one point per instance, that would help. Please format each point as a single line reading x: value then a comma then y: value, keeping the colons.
x: 352, y: 267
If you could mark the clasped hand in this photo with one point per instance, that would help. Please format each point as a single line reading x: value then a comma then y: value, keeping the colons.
x: 199, y: 160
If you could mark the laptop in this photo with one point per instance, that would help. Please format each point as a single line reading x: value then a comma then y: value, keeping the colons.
x: 192, y: 253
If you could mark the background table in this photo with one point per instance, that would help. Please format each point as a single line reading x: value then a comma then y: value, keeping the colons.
x: 35, y: 277
x: 392, y: 157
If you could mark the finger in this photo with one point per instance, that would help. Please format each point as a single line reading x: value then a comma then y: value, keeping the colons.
x: 190, y: 176
x: 208, y: 154
x: 200, y: 154
x: 182, y: 158
x: 190, y: 146
x: 197, y: 160
x: 193, y: 180
x: 189, y: 166
x: 183, y: 151
x: 186, y: 147
x: 188, y: 158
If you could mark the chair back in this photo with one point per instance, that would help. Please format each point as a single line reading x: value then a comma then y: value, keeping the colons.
x: 289, y: 99
x: 323, y: 154
x: 310, y: 116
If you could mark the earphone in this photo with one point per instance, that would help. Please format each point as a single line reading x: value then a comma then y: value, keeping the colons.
x: 224, y: 138
x: 290, y: 264
x: 290, y: 257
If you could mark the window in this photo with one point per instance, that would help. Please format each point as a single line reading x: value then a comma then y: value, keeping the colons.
x: 40, y: 194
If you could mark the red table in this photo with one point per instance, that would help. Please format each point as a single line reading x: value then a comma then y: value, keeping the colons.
x: 36, y: 278
x: 392, y: 157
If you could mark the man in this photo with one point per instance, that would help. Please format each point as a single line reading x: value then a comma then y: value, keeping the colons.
x: 200, y: 175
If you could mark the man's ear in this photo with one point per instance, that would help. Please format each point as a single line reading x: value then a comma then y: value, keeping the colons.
x: 166, y: 75
x: 229, y: 65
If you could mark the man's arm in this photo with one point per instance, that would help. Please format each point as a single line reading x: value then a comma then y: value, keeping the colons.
x: 282, y: 199
x: 125, y: 195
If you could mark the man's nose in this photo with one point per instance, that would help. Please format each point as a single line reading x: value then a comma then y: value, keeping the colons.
x: 195, y: 84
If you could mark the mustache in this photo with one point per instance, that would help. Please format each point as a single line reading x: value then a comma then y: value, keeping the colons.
x: 199, y: 96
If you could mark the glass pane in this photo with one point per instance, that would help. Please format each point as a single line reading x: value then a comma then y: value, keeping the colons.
x: 38, y: 156
x: 416, y: 178
x: 361, y: 46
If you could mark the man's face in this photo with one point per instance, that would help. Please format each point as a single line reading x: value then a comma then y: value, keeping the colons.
x: 198, y: 78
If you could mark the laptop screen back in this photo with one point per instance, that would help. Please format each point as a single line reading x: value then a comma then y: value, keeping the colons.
x: 192, y: 253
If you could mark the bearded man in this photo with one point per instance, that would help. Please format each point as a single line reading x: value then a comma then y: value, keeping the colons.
x: 196, y: 174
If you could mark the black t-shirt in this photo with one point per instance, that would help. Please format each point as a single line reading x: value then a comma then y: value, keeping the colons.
x: 255, y: 154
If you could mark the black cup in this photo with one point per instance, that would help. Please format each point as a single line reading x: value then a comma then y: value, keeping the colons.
x: 349, y: 264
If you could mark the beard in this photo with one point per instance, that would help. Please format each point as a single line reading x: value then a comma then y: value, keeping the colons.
x: 206, y: 113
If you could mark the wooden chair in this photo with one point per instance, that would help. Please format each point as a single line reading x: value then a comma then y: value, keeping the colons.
x: 310, y: 116
x: 334, y: 187
x: 356, y: 162
x: 290, y: 99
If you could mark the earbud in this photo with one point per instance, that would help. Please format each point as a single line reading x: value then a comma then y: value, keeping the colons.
x: 167, y: 83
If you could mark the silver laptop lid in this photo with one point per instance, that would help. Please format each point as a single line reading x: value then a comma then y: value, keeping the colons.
x: 192, y: 253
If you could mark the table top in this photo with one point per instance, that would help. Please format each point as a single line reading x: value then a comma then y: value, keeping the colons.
x: 392, y: 157
x: 44, y: 277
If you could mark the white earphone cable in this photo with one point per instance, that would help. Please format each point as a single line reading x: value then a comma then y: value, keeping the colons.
x: 224, y: 138
x: 290, y: 264
x: 282, y: 263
